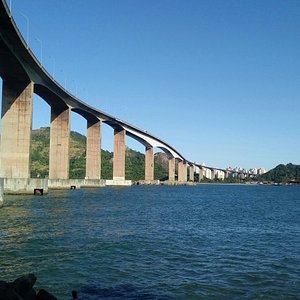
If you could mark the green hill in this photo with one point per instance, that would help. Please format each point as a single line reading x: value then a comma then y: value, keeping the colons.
x: 282, y: 174
x: 134, y: 161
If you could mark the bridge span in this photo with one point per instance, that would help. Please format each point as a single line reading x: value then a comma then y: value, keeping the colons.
x: 23, y: 75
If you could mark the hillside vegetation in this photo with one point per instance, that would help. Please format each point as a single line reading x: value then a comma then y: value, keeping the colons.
x: 134, y: 161
x: 282, y: 174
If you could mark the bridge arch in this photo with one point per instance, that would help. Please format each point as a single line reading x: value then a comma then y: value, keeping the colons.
x: 49, y: 96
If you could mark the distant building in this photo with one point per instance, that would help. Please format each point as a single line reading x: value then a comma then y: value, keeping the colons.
x: 261, y: 171
x: 253, y: 171
x: 242, y: 172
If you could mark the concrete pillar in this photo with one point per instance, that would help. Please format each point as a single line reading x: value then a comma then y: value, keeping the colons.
x: 93, y: 149
x: 213, y: 174
x: 201, y: 173
x: 149, y: 164
x: 182, y: 171
x: 172, y: 169
x: 1, y: 192
x: 16, y: 123
x: 222, y: 175
x: 192, y: 171
x: 59, y: 143
x: 119, y: 154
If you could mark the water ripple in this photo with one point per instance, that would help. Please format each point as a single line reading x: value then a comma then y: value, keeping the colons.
x: 205, y: 242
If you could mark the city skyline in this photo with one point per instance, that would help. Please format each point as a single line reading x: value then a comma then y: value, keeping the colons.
x: 219, y: 82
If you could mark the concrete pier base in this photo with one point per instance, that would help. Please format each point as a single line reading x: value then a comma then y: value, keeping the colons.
x: 67, y: 184
x: 118, y: 182
x: 148, y: 182
x: 15, y: 186
x: 168, y: 182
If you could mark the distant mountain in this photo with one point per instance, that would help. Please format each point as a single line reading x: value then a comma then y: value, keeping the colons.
x: 282, y: 173
x: 134, y: 161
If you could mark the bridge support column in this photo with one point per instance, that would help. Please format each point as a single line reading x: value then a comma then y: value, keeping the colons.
x: 182, y: 171
x: 149, y: 164
x: 59, y: 143
x: 213, y: 174
x: 93, y: 149
x: 201, y: 174
x: 172, y: 169
x: 185, y: 167
x: 119, y: 154
x: 192, y: 173
x: 16, y: 125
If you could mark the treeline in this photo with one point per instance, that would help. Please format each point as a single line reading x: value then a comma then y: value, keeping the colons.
x: 282, y: 174
x: 134, y: 161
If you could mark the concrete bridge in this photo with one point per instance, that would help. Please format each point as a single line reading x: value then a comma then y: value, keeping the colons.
x: 23, y: 75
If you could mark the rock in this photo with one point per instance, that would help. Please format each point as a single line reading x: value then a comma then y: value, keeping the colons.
x: 24, y: 287
x: 3, y: 287
x: 44, y: 295
x: 29, y: 295
x: 74, y: 295
x: 7, y: 292
x: 24, y: 283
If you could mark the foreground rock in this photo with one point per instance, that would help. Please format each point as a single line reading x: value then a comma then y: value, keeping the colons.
x: 22, y: 289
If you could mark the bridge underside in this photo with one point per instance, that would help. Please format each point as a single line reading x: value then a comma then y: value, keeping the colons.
x: 22, y: 76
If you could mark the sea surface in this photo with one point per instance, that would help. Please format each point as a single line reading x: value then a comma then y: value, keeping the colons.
x: 156, y: 242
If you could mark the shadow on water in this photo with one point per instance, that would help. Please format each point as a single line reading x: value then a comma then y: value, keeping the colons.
x: 123, y: 291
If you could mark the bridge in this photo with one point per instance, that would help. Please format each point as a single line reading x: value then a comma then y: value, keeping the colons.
x: 23, y: 75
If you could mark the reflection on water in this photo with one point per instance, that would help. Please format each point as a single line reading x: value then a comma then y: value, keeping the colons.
x: 204, y: 242
x: 17, y: 231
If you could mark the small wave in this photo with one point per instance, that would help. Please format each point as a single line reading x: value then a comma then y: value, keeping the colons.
x: 123, y: 291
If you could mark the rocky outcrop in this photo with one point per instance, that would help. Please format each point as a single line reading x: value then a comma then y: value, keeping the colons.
x: 22, y: 289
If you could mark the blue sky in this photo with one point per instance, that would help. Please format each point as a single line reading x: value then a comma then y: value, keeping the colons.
x: 219, y: 80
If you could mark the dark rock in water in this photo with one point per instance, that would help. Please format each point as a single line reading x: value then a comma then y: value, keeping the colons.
x: 44, y: 295
x: 24, y: 282
x: 7, y: 292
x: 74, y: 295
x: 24, y: 287
x: 3, y: 286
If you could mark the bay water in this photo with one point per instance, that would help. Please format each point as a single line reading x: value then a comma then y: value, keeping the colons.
x: 156, y: 242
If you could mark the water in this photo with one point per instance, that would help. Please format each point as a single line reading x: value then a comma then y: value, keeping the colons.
x: 203, y: 242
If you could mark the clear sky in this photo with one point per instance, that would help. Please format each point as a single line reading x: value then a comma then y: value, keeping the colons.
x: 218, y: 80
